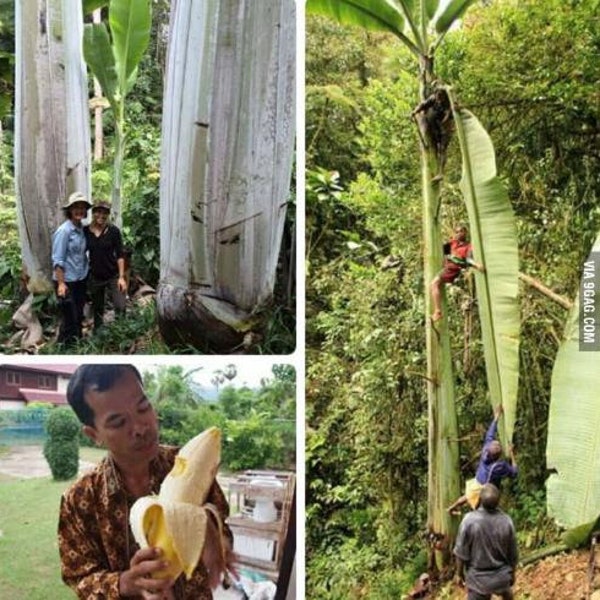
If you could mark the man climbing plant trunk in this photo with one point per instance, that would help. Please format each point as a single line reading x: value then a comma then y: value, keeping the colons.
x: 421, y: 27
x: 227, y: 147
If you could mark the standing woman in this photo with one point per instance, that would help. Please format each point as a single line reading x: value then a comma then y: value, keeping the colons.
x: 107, y: 263
x: 70, y: 267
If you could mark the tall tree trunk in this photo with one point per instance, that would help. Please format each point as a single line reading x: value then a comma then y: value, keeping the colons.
x: 98, y: 107
x: 228, y: 131
x: 52, y: 145
x: 443, y: 467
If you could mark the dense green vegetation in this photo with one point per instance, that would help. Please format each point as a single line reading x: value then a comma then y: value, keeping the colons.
x: 258, y: 425
x: 528, y: 70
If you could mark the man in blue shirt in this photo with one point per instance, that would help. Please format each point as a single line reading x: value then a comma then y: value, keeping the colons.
x: 70, y: 267
x: 491, y: 469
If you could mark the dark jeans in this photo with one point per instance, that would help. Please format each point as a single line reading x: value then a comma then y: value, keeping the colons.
x: 97, y: 289
x: 71, y: 310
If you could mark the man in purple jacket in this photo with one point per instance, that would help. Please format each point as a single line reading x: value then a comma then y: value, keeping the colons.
x: 491, y: 468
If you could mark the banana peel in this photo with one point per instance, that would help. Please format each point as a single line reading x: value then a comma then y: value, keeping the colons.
x: 176, y: 520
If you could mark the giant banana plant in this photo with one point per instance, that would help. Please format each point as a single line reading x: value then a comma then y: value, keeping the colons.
x: 573, y: 447
x: 52, y: 142
x: 421, y: 26
x: 226, y: 157
x: 113, y: 59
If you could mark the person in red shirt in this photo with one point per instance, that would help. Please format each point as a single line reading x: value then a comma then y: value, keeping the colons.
x: 458, y: 255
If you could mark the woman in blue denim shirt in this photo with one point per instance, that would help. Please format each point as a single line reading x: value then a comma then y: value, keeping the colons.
x: 70, y: 267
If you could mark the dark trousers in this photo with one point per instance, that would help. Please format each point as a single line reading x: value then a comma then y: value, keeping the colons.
x: 97, y: 289
x: 71, y: 309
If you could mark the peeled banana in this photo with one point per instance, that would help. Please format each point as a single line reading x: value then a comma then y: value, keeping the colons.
x: 175, y: 521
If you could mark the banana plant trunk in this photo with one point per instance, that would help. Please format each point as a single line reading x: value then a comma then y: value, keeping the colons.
x: 227, y: 150
x: 443, y: 467
x: 52, y: 143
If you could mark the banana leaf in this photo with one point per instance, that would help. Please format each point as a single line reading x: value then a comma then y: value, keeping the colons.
x: 89, y: 6
x: 377, y: 15
x: 494, y: 236
x: 99, y: 56
x: 130, y: 23
x: 453, y: 11
x: 431, y: 7
x: 573, y: 445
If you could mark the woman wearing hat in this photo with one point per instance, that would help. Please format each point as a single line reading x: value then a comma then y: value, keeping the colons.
x: 70, y: 267
x: 107, y: 262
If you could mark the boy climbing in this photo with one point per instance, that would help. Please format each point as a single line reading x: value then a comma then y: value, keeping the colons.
x: 458, y: 255
x: 490, y: 469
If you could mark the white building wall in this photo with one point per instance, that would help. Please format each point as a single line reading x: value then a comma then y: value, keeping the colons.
x: 11, y: 404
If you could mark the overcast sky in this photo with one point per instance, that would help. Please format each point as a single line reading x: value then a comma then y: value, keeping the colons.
x: 250, y: 369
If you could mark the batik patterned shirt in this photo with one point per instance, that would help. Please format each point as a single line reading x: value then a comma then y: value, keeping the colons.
x: 95, y: 541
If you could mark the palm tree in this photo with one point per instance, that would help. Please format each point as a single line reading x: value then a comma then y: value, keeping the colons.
x: 421, y: 25
x: 227, y: 148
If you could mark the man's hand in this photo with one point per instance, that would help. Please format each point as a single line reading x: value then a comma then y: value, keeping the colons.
x: 61, y: 289
x: 137, y: 581
x: 122, y: 284
x: 498, y: 411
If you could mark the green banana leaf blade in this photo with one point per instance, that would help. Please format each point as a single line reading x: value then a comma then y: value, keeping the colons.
x: 377, y: 15
x: 130, y: 23
x: 431, y: 7
x: 494, y: 236
x: 453, y: 11
x: 573, y: 445
x: 99, y: 57
x: 89, y: 6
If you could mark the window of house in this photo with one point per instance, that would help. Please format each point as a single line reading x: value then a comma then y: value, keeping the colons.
x: 13, y: 378
x: 45, y: 382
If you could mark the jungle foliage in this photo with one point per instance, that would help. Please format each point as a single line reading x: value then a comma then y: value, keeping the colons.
x: 258, y: 424
x: 528, y: 70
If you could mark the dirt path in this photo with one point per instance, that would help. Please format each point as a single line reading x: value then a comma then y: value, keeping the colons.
x: 27, y: 462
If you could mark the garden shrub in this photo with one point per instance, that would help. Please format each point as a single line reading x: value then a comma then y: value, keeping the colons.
x: 61, y: 449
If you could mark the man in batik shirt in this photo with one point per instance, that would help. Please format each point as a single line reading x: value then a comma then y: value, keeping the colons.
x: 100, y: 558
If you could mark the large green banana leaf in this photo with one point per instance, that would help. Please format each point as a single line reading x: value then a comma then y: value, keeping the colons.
x: 573, y: 446
x: 130, y: 23
x: 89, y: 6
x: 377, y: 15
x: 454, y: 10
x: 494, y: 236
x: 99, y: 56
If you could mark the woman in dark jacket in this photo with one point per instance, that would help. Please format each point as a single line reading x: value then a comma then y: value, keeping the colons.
x: 70, y: 267
x: 107, y: 263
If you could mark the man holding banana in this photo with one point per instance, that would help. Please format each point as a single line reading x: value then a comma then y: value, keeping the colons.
x: 100, y: 558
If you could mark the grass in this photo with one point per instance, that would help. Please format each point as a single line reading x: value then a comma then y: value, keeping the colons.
x: 29, y: 561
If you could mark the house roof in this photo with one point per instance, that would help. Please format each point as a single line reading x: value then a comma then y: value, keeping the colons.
x: 45, y: 368
x: 33, y: 395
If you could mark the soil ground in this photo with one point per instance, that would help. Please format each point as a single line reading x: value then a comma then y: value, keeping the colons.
x: 560, y: 577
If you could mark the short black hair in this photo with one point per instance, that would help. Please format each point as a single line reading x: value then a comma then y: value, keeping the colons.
x: 489, y: 497
x: 97, y: 377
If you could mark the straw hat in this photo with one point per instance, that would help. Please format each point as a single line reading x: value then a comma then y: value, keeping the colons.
x: 74, y: 198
